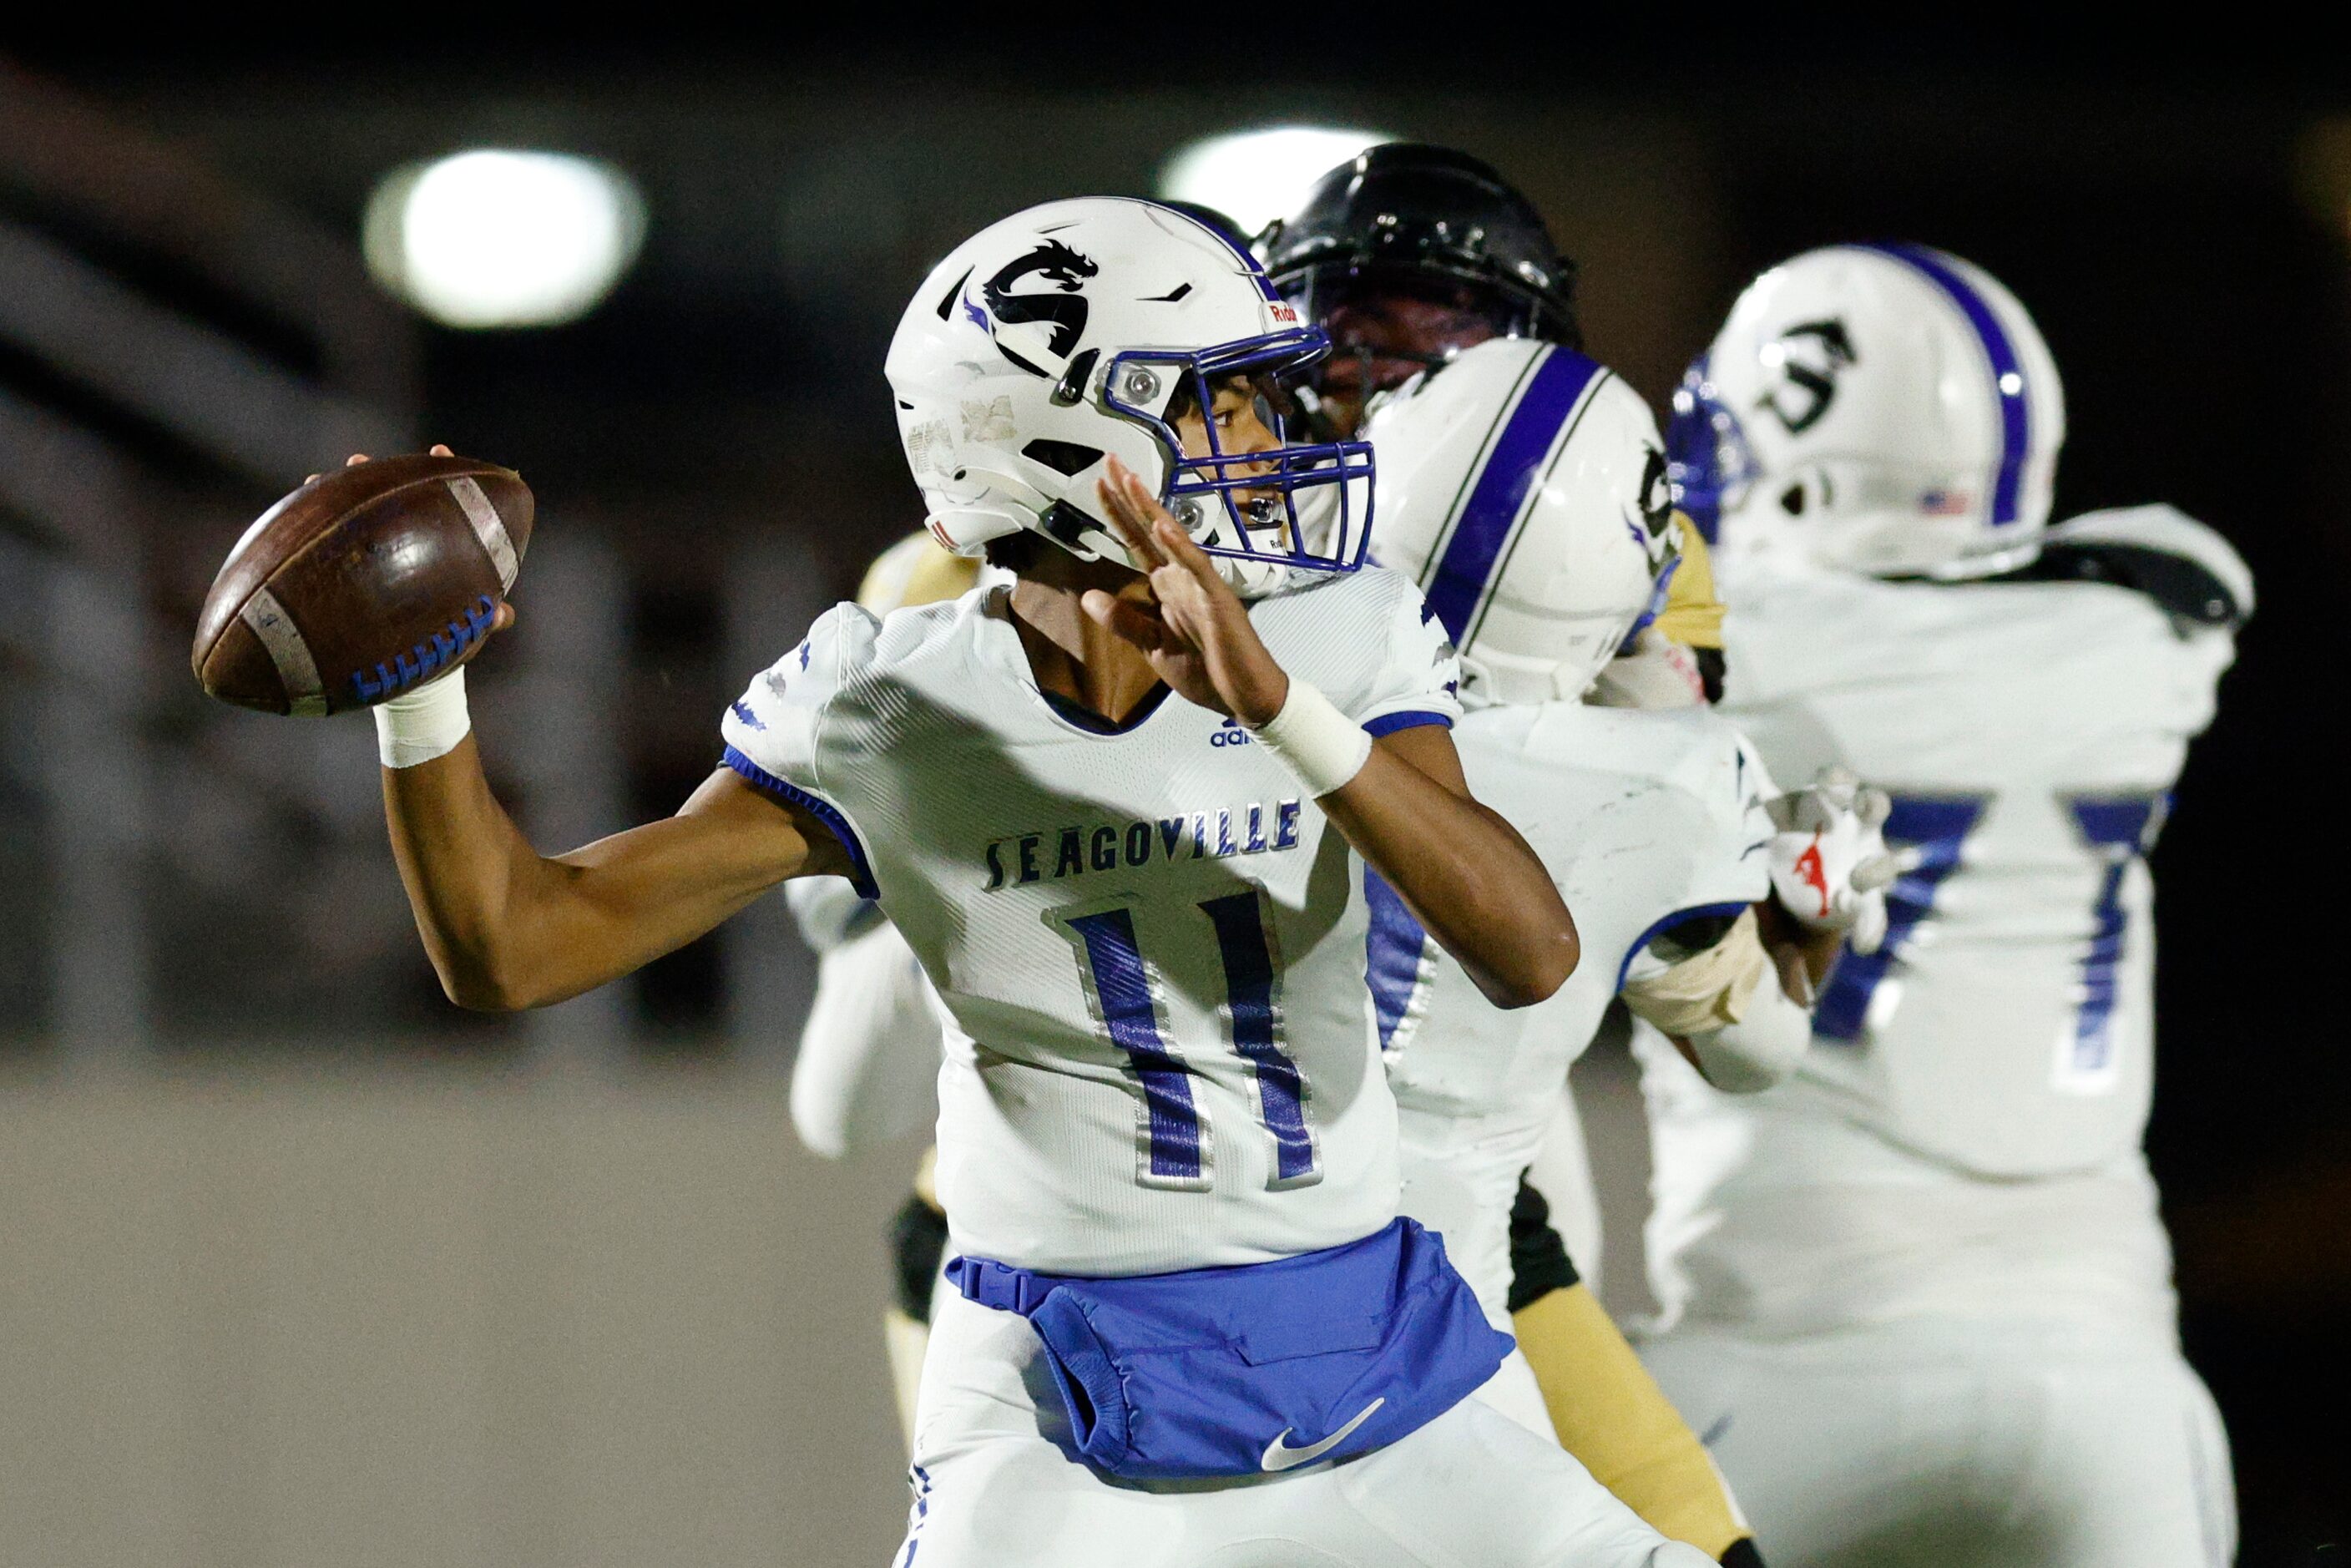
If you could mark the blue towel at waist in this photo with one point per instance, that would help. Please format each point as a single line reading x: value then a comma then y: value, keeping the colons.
x: 1258, y: 1367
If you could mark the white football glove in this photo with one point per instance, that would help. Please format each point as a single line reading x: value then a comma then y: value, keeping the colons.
x: 1830, y: 865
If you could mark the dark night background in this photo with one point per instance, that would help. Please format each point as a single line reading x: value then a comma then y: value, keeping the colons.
x: 2176, y: 214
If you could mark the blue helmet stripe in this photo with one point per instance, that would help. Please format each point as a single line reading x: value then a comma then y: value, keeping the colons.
x: 1457, y: 586
x: 2007, y: 370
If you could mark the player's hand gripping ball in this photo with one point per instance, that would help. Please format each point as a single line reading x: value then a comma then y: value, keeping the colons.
x: 1830, y: 865
x: 364, y: 584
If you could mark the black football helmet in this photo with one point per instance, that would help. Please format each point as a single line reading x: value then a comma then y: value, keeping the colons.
x: 1408, y: 214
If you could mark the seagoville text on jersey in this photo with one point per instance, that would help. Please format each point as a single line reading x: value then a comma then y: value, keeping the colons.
x: 1250, y: 830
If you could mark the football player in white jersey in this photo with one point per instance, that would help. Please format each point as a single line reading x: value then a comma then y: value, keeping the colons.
x: 1523, y: 487
x: 1919, y: 1298
x: 1111, y: 810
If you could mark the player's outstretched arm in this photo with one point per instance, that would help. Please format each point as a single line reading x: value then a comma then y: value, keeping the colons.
x: 509, y: 928
x: 1468, y: 876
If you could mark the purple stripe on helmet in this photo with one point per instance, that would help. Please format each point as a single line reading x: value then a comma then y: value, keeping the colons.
x: 2007, y: 370
x: 1249, y: 263
x: 1456, y: 585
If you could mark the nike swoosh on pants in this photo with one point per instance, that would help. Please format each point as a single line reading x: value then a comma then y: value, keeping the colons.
x: 1278, y: 1457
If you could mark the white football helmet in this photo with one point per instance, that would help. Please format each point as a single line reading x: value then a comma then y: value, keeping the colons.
x: 1062, y: 336
x: 1885, y: 409
x: 1524, y: 487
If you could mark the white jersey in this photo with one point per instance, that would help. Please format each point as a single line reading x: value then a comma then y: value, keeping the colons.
x: 1161, y: 1051
x: 1964, y: 1134
x: 1644, y: 820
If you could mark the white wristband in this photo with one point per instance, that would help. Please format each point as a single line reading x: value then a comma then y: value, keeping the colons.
x: 1315, y: 741
x: 419, y: 725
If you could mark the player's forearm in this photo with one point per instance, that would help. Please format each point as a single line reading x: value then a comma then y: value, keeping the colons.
x: 1466, y: 875
x: 507, y: 928
x: 461, y: 859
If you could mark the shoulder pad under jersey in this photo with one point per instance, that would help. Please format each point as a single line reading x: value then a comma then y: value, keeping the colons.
x: 2195, y: 576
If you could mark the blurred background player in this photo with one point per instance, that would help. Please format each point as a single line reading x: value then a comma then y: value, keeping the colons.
x: 867, y: 1070
x: 1524, y: 489
x: 1407, y: 254
x: 1919, y: 1298
x: 1411, y: 255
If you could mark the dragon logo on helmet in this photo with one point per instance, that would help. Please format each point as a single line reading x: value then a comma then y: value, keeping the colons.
x: 1809, y: 356
x: 1654, y: 529
x: 1063, y: 307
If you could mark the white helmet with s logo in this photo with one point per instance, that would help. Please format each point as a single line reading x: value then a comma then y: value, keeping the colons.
x: 1523, y: 485
x: 1885, y: 409
x: 1064, y: 335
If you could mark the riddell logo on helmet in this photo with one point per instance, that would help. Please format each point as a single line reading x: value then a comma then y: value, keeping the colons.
x: 1285, y: 314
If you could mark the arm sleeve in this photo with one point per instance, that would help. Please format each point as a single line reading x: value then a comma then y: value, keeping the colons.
x: 1736, y: 790
x: 775, y: 732
x: 1761, y: 1049
x: 868, y: 1068
x: 1701, y: 973
x: 1419, y: 678
x: 1728, y: 871
x: 1725, y: 1002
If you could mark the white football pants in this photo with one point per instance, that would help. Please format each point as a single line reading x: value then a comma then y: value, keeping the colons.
x: 1470, y: 1490
x: 1960, y: 1445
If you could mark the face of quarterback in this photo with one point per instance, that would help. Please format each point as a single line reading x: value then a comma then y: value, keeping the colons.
x: 1244, y: 411
x: 1383, y: 335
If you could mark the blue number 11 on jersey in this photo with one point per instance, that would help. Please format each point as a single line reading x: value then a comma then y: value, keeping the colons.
x: 1123, y: 986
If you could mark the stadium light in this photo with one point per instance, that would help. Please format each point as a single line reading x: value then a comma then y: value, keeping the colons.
x: 495, y: 238
x: 1256, y: 176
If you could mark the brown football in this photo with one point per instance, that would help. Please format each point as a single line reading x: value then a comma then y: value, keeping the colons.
x: 361, y: 584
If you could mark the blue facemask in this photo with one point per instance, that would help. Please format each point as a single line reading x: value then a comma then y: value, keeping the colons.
x: 1302, y: 503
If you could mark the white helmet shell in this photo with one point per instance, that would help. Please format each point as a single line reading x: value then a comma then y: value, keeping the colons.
x: 1523, y: 487
x: 1885, y: 409
x: 1060, y: 336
